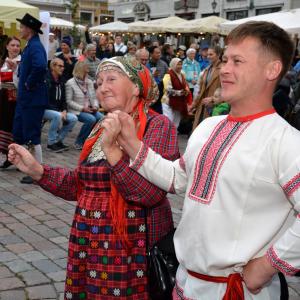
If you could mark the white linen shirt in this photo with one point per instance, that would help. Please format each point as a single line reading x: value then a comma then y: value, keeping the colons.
x: 241, y: 180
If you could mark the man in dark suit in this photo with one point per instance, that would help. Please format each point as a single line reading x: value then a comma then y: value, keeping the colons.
x: 32, y: 89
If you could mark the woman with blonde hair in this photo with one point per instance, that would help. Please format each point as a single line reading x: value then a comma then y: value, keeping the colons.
x: 81, y: 101
x: 208, y: 83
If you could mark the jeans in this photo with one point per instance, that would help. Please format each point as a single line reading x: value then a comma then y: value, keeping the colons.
x: 58, y: 130
x: 88, y: 120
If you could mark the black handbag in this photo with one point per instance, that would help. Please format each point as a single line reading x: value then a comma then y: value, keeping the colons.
x: 162, y: 265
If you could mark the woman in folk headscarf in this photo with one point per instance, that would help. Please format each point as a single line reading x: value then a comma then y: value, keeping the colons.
x: 107, y: 245
x: 177, y: 95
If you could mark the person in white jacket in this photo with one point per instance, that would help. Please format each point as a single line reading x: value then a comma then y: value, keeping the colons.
x: 240, y: 223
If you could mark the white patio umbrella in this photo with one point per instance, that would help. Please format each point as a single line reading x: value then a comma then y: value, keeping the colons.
x: 155, y: 26
x: 117, y: 26
x: 288, y: 20
x: 209, y: 24
x: 60, y: 23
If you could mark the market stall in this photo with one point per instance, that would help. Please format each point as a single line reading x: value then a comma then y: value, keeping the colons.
x: 288, y: 20
x: 209, y: 24
x: 117, y: 26
x: 155, y: 26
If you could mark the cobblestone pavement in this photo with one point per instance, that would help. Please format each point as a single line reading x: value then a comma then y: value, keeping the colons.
x: 34, y: 229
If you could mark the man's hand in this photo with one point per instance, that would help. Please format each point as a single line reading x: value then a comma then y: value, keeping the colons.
x: 64, y: 115
x: 112, y: 128
x: 257, y: 273
x: 127, y: 138
x: 87, y: 110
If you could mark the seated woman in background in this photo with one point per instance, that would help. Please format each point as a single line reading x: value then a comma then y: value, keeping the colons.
x: 8, y: 94
x: 108, y: 244
x: 82, y: 101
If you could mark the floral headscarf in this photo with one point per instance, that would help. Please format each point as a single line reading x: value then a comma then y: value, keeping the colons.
x: 137, y: 73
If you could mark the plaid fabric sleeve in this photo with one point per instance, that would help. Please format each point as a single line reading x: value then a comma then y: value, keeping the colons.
x: 160, y: 136
x: 60, y: 182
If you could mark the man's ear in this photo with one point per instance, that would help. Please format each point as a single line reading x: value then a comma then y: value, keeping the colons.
x: 273, y: 69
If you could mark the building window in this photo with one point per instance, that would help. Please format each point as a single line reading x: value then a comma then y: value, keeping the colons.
x: 235, y: 15
x: 86, y: 18
x: 267, y: 10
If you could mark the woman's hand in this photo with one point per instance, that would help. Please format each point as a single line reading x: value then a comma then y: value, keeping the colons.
x: 257, y: 273
x: 25, y: 162
x: 127, y: 137
x: 208, y: 101
x: 112, y: 128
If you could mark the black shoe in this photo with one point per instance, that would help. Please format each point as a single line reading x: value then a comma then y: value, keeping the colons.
x: 62, y: 145
x: 27, y: 180
x: 55, y: 148
x: 6, y: 164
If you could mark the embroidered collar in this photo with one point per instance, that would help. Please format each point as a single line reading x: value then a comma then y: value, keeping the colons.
x: 251, y: 117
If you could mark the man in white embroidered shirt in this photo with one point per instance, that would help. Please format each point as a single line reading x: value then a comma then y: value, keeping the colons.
x: 240, y: 174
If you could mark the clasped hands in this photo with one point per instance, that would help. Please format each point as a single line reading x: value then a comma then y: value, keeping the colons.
x: 119, y: 133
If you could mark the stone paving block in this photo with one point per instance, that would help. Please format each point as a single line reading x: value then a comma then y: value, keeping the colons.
x: 34, y: 277
x: 55, y: 253
x: 19, y: 248
x: 66, y: 218
x: 3, y: 214
x: 59, y: 286
x: 55, y: 224
x: 15, y: 226
x: 10, y: 283
x: 43, y: 245
x: 64, y: 231
x: 45, y: 206
x: 32, y: 256
x: 30, y: 221
x: 62, y: 262
x: 64, y: 246
x: 61, y: 296
x: 13, y: 295
x: 46, y: 266
x: 21, y: 216
x: 43, y: 218
x: 41, y: 292
x: 18, y: 265
x: 59, y: 240
x: 57, y: 276
x: 5, y: 272
x: 31, y: 209
x: 10, y: 239
x: 29, y: 235
x: 50, y: 233
x: 10, y: 197
x: 38, y: 228
x: 7, y: 256
x: 4, y: 231
x: 7, y: 220
x: 55, y: 211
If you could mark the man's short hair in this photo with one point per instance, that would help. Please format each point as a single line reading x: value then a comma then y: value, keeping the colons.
x: 152, y: 48
x: 273, y: 39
